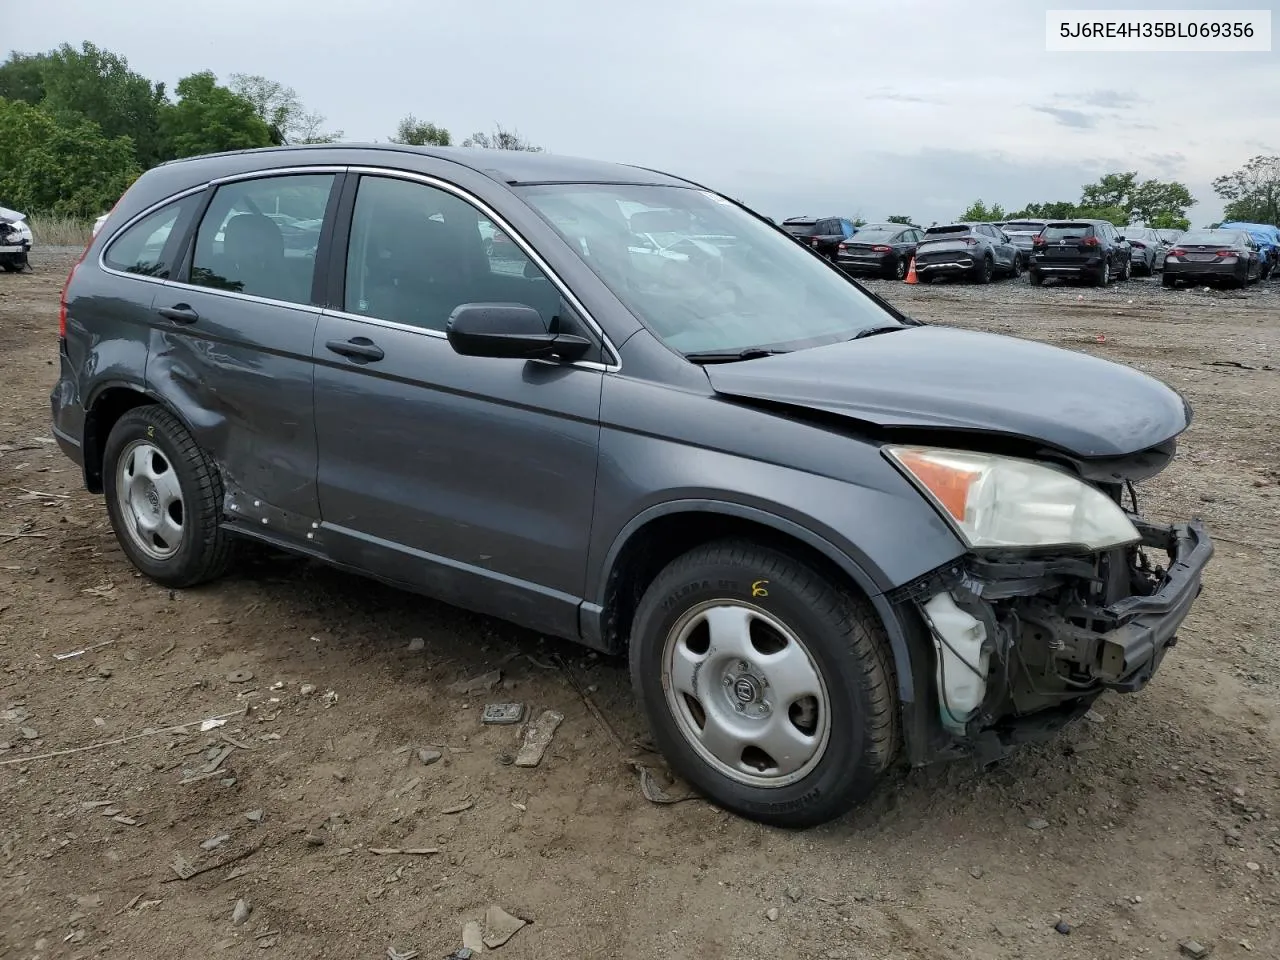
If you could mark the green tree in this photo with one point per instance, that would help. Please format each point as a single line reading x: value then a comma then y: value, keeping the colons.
x: 899, y: 218
x: 500, y: 139
x: 99, y: 85
x: 1119, y: 216
x: 209, y: 118
x: 1145, y: 200
x: 1052, y: 210
x: 979, y: 212
x: 61, y: 164
x: 282, y: 110
x: 1167, y: 221
x: 421, y: 133
x: 22, y: 77
x: 1252, y: 192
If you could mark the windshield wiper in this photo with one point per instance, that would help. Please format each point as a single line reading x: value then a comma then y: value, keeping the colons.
x: 730, y: 356
x: 872, y: 331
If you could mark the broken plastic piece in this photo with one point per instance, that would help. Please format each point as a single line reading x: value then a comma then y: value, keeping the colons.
x: 503, y: 713
x: 537, y: 737
x: 500, y: 926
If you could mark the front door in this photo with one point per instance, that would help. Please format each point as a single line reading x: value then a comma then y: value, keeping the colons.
x: 471, y: 479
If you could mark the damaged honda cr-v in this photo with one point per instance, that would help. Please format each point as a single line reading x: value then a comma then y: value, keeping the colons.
x: 826, y: 535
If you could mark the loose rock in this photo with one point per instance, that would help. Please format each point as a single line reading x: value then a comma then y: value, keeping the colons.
x: 254, y: 816
x: 241, y: 912
x: 499, y: 927
x: 1193, y: 949
x: 975, y: 872
x: 1037, y: 823
x: 771, y: 914
x: 428, y: 757
x: 417, y: 645
x: 307, y: 689
x: 1062, y: 927
x: 794, y: 894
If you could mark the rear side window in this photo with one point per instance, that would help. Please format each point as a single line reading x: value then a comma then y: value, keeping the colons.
x: 1068, y: 231
x: 260, y: 237
x: 801, y: 229
x: 147, y: 247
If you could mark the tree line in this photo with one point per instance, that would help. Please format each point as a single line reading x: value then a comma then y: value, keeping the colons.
x: 79, y: 126
x: 1252, y: 194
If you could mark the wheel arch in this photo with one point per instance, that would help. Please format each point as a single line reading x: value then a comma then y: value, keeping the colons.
x: 664, y: 531
x: 105, y: 405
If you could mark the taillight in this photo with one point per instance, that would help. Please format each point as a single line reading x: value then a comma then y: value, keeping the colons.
x: 881, y: 248
x: 813, y: 242
x: 1177, y: 252
x: 1227, y: 253
x: 970, y: 241
x: 62, y: 302
x: 842, y: 246
x: 1038, y: 241
x: 1090, y: 241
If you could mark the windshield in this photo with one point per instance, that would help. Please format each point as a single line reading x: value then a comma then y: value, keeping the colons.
x: 753, y: 287
x: 875, y: 235
x: 1023, y: 226
x: 954, y: 231
x: 1209, y: 237
x: 801, y: 229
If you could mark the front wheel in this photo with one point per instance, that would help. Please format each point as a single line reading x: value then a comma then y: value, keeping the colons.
x: 164, y: 498
x: 1017, y: 266
x: 767, y: 686
x: 1127, y: 270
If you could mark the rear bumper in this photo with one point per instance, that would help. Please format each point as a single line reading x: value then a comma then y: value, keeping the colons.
x: 67, y: 414
x: 1066, y: 268
x: 1179, y: 268
x: 942, y: 267
x: 877, y: 264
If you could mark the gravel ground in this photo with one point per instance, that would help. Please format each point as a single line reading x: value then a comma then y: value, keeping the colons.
x: 1154, y: 823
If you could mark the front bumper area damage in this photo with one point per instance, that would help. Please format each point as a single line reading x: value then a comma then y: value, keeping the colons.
x: 1022, y: 646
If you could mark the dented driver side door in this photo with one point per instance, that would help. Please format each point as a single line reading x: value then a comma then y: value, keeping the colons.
x: 231, y: 343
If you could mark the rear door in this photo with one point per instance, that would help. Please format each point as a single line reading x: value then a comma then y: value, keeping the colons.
x: 469, y: 478
x: 231, y: 348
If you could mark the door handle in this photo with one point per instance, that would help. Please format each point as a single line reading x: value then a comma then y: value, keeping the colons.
x: 359, y: 349
x: 179, y: 313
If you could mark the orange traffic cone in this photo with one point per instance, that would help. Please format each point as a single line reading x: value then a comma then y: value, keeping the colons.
x: 911, y: 272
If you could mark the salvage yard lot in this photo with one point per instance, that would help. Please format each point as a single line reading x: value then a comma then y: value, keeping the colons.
x: 1153, y: 822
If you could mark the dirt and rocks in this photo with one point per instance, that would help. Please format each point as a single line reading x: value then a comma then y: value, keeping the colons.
x: 1154, y: 823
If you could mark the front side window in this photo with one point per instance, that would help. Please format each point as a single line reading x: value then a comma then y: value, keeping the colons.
x: 146, y: 248
x: 260, y: 237
x: 417, y: 252
x: 723, y: 281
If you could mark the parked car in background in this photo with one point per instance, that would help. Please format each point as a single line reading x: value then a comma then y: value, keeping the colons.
x: 97, y: 224
x: 823, y: 234
x: 976, y: 251
x: 1147, y: 250
x: 16, y: 240
x: 1169, y: 236
x: 883, y: 249
x: 1023, y: 233
x: 1267, y: 238
x: 1213, y: 256
x: 1089, y: 250
x: 824, y: 534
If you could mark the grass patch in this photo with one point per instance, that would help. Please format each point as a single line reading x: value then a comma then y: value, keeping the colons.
x: 60, y: 231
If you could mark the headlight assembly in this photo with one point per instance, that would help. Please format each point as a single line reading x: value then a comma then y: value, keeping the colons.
x: 994, y: 501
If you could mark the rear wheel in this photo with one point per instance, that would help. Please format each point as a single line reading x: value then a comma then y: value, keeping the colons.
x: 767, y: 686
x: 1102, y: 276
x: 985, y: 270
x: 1036, y: 277
x: 898, y: 269
x: 1168, y: 281
x: 164, y: 498
x: 1127, y: 270
x: 1016, y: 270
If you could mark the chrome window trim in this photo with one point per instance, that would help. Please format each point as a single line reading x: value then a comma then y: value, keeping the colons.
x: 426, y: 179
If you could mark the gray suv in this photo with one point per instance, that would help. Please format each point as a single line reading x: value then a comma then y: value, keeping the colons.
x: 827, y: 536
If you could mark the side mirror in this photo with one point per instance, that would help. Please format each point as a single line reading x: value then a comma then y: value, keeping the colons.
x: 1119, y: 238
x: 509, y: 330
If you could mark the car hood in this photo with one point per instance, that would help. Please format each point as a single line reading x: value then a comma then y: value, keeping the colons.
x: 940, y: 378
x: 12, y: 215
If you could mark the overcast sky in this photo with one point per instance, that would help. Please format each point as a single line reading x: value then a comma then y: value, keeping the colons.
x: 794, y: 106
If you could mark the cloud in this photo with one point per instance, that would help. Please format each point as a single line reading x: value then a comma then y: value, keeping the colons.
x: 1167, y: 163
x: 902, y: 97
x: 1070, y: 118
x: 1110, y: 99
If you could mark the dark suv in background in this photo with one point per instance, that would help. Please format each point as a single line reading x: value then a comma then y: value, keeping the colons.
x: 823, y: 234
x: 826, y: 535
x: 1089, y: 250
x: 976, y: 251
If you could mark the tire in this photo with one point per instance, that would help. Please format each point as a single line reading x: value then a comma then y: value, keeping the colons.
x: 1035, y: 277
x: 1168, y: 281
x: 178, y: 553
x: 1127, y: 272
x: 10, y: 266
x: 1103, y: 277
x: 985, y: 271
x: 1016, y: 269
x: 898, y: 270
x: 843, y: 743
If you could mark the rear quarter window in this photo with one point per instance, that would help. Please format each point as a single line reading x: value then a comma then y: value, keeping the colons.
x: 147, y: 248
